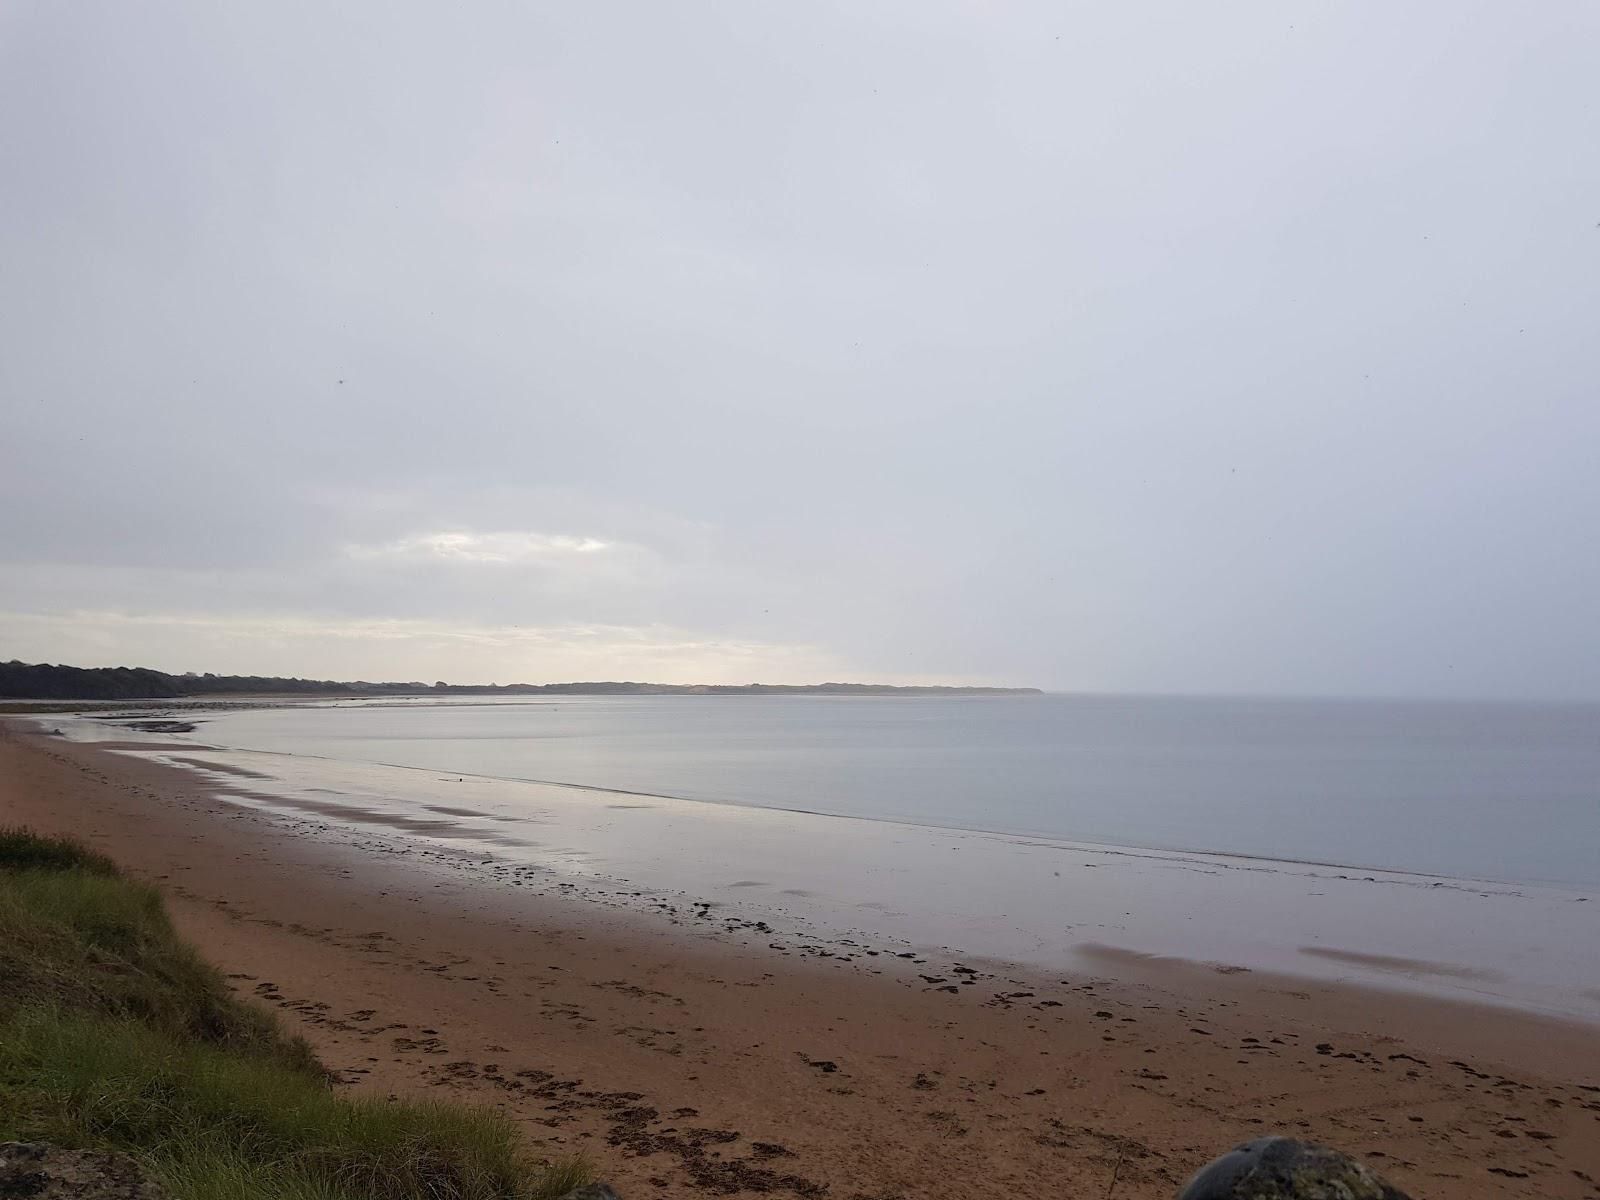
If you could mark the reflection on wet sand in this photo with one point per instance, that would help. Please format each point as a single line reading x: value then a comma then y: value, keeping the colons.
x: 1406, y: 966
x: 846, y: 883
x: 360, y: 815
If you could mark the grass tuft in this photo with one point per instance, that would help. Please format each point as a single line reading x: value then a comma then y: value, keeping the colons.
x: 76, y: 933
x: 114, y: 1034
x: 22, y: 849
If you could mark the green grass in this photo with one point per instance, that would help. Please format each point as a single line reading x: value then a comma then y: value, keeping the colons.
x: 115, y: 1035
x: 22, y: 849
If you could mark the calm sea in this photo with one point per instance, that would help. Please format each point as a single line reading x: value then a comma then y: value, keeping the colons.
x: 1488, y: 791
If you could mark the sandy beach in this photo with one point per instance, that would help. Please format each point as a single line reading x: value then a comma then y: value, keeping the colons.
x: 687, y: 1052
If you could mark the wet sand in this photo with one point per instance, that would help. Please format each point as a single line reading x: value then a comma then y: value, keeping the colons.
x: 684, y: 1054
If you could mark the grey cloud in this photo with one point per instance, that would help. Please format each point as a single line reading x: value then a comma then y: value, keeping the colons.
x: 1162, y: 348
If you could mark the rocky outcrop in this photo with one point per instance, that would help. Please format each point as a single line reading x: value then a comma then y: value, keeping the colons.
x: 33, y: 1171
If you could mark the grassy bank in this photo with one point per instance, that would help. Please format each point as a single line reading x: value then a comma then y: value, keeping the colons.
x: 115, y: 1035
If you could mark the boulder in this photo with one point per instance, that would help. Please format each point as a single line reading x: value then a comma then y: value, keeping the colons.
x: 1277, y: 1168
x: 593, y: 1191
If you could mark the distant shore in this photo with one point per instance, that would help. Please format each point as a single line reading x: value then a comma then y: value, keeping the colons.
x: 705, y: 1061
x: 51, y: 681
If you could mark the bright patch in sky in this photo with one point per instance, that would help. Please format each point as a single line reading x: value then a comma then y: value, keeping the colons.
x: 459, y: 546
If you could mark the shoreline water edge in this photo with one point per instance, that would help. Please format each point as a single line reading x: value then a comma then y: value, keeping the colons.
x: 858, y: 887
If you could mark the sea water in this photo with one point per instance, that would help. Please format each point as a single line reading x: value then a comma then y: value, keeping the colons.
x: 1503, y: 792
x: 1443, y: 848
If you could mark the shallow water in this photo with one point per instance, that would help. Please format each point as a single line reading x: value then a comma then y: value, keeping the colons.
x: 1498, y: 792
x: 1024, y: 830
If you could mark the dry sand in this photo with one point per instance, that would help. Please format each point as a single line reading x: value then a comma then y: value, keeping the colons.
x: 684, y: 1058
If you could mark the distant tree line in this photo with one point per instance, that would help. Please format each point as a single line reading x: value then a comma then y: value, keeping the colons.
x: 43, y: 681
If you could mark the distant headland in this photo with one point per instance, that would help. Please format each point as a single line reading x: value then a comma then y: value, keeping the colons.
x: 44, y: 681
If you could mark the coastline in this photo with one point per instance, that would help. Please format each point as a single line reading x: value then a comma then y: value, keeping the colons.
x: 647, y: 1044
x: 858, y: 885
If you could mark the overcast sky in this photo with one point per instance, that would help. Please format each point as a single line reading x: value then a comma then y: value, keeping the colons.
x: 1160, y: 347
